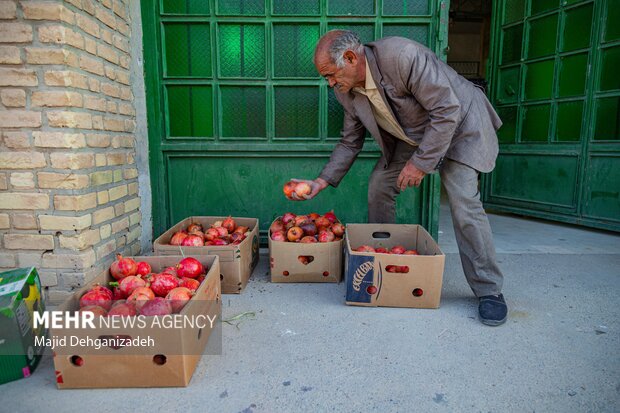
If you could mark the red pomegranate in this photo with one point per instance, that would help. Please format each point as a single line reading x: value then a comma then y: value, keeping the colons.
x: 301, y: 219
x: 294, y: 234
x: 229, y: 224
x: 308, y: 239
x: 162, y: 283
x: 382, y: 250
x: 156, y: 306
x: 398, y: 249
x: 211, y: 234
x: 326, y: 236
x: 288, y: 217
x: 241, y: 229
x: 313, y: 216
x: 278, y: 236
x: 302, y: 189
x: 140, y: 295
x: 392, y: 268
x: 236, y: 237
x: 123, y: 309
x: 288, y: 189
x: 365, y: 248
x: 171, y: 270
x: 322, y: 222
x: 98, y: 295
x: 190, y: 267
x: 221, y: 231
x: 309, y: 228
x: 331, y: 216
x: 190, y: 283
x: 193, y: 241
x: 178, y: 238
x: 144, y: 268
x: 411, y: 252
x: 338, y: 229
x: 178, y: 297
x: 276, y: 225
x: 128, y: 284
x: 95, y: 309
x: 219, y: 241
x: 123, y: 267
x: 195, y: 227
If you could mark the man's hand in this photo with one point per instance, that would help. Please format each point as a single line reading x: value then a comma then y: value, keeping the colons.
x: 409, y: 176
x: 317, y: 186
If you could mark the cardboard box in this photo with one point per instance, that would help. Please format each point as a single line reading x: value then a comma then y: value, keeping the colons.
x: 325, y: 265
x: 20, y: 298
x: 236, y: 261
x: 368, y: 282
x: 111, y: 367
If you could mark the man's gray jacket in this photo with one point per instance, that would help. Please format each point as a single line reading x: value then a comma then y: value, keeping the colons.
x: 442, y: 113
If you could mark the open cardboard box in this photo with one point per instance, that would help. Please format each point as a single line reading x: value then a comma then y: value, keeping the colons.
x: 109, y: 367
x: 370, y: 284
x: 236, y: 261
x: 325, y: 264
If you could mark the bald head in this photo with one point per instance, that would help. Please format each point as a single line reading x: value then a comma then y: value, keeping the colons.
x: 334, y: 44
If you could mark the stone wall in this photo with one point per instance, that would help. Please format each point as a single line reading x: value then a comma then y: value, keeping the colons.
x: 68, y: 179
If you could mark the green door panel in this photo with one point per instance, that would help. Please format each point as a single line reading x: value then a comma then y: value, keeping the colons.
x: 236, y: 107
x: 542, y: 179
x: 603, y: 188
x: 560, y: 104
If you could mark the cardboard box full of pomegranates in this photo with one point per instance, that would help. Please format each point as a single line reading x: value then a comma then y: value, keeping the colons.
x: 236, y: 261
x: 138, y: 350
x: 298, y: 262
x: 392, y: 279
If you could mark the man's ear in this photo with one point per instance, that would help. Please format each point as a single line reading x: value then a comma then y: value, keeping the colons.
x: 350, y: 57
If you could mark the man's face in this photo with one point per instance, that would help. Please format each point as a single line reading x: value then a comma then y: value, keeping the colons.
x: 345, y: 78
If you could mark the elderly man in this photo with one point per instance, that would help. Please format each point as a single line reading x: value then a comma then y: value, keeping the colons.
x: 425, y: 118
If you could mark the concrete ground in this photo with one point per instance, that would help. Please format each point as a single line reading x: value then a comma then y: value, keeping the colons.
x: 306, y: 351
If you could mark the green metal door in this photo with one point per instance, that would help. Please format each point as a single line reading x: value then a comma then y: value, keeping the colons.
x: 555, y: 84
x: 236, y: 107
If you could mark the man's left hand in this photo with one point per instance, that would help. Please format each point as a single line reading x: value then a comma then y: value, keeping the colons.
x: 409, y: 176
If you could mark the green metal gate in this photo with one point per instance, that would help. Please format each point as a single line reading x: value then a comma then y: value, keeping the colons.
x: 236, y: 107
x: 555, y: 83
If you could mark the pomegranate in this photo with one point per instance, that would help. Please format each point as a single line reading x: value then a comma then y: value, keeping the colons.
x: 193, y: 241
x: 140, y: 295
x: 211, y: 234
x: 156, y: 306
x: 338, y: 229
x: 302, y: 189
x: 123, y: 267
x: 241, y: 229
x: 308, y: 239
x: 171, y: 270
x: 288, y: 189
x: 331, y: 216
x: 288, y: 217
x: 326, y: 236
x: 116, y: 292
x: 371, y: 289
x: 236, y: 237
x: 216, y: 224
x: 123, y: 309
x: 98, y: 295
x: 294, y: 234
x: 219, y: 241
x: 411, y: 252
x: 305, y: 259
x: 178, y: 238
x: 313, y: 216
x: 190, y: 283
x: 229, y: 224
x: 190, y: 267
x: 128, y: 284
x: 195, y: 227
x: 144, y: 268
x: 382, y: 250
x: 322, y: 222
x: 301, y: 219
x: 162, y: 283
x: 398, y: 249
x: 392, y: 268
x: 309, y: 228
x: 278, y: 236
x: 221, y: 231
x: 403, y: 269
x: 365, y: 248
x: 98, y: 311
x: 276, y: 225
x: 178, y: 297
x: 200, y: 279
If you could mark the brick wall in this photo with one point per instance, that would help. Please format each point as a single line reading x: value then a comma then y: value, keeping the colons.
x: 68, y: 179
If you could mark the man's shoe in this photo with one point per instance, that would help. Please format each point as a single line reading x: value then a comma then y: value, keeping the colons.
x: 493, y: 310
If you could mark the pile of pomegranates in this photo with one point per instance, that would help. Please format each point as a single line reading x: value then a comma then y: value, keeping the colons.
x: 138, y: 290
x: 225, y: 232
x: 307, y: 228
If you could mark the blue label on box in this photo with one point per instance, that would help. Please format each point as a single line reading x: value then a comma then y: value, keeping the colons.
x: 360, y: 269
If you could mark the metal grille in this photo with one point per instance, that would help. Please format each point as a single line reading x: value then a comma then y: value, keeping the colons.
x: 186, y: 7
x: 351, y: 7
x: 190, y: 111
x: 241, y: 7
x: 242, y: 50
x: 297, y: 7
x: 297, y: 109
x: 243, y: 111
x: 405, y: 7
x: 188, y: 50
x: 294, y: 49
